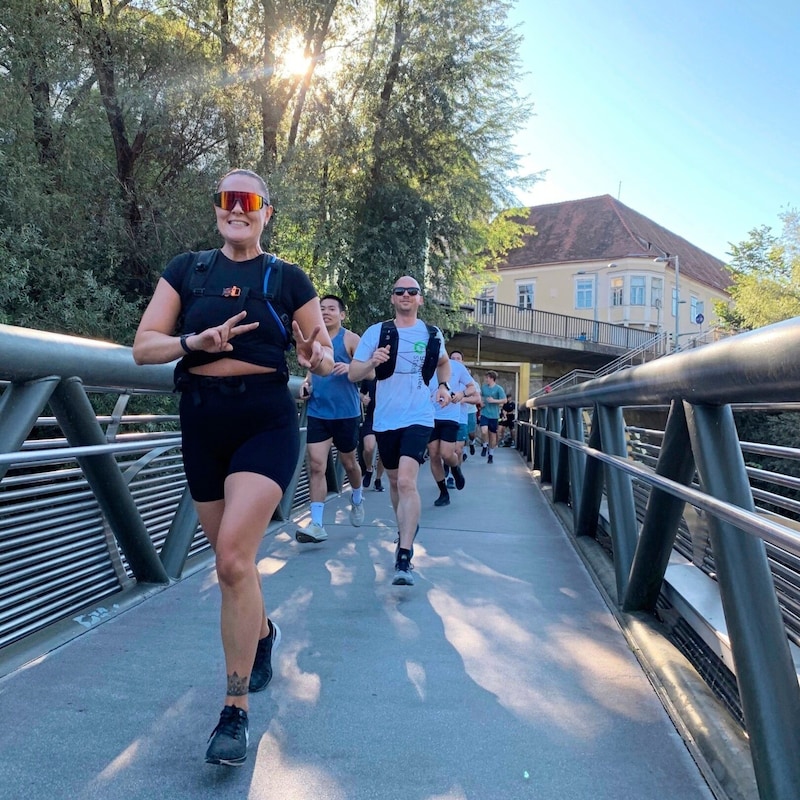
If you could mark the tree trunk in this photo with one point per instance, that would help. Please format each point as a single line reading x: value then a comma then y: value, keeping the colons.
x: 315, y: 40
x: 228, y: 51
x: 386, y: 95
x: 101, y: 53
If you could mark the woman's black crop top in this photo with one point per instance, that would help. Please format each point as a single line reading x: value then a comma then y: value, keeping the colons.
x: 264, y: 346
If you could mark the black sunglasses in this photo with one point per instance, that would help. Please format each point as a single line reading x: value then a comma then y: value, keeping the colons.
x: 401, y: 290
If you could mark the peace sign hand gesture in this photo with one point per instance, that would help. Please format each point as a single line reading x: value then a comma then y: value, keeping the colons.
x: 217, y: 339
x: 310, y: 352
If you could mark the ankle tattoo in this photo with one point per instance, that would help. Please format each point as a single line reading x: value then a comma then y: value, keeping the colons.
x: 237, y: 687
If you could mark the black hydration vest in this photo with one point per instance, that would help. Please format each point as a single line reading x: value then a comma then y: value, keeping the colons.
x: 194, y: 285
x: 390, y: 336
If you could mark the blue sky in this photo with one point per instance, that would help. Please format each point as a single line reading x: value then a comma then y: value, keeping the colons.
x: 687, y: 110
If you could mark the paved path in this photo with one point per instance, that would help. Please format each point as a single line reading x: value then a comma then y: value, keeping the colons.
x: 500, y: 675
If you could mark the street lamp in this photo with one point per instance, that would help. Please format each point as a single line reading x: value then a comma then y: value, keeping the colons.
x: 666, y: 258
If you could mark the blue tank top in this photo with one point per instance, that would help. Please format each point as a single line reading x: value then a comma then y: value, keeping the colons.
x: 334, y: 396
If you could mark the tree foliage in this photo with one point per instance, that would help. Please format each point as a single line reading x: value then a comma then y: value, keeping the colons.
x: 766, y: 275
x: 766, y: 289
x: 383, y: 127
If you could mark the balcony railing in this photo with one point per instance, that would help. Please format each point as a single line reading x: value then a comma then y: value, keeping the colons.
x: 529, y: 320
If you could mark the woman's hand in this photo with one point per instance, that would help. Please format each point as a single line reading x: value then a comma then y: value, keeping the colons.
x: 217, y: 339
x: 310, y: 353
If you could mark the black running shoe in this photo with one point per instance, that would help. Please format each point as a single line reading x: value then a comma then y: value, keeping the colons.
x: 378, y: 485
x: 367, y: 479
x: 228, y: 741
x: 402, y: 571
x: 443, y: 499
x: 472, y: 449
x: 484, y: 451
x: 261, y: 674
x: 411, y: 549
x: 459, y: 478
x: 490, y: 460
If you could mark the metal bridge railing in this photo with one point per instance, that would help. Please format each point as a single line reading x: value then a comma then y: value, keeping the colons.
x: 698, y: 464
x: 530, y: 320
x: 93, y: 498
x: 651, y: 349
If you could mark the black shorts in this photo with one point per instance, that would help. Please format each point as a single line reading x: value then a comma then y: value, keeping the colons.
x: 444, y: 430
x: 490, y: 423
x: 366, y: 427
x: 411, y: 442
x: 344, y: 432
x: 241, y: 424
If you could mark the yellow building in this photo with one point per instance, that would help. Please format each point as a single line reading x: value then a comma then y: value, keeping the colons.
x: 600, y: 260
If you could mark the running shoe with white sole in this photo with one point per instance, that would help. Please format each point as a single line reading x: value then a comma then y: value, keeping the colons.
x: 228, y: 741
x: 312, y: 533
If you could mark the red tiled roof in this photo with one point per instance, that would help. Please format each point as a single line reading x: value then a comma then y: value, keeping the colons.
x: 602, y: 228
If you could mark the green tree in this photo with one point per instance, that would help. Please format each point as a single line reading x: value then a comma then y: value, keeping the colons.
x: 388, y: 149
x: 766, y: 274
x: 766, y: 289
x: 416, y: 163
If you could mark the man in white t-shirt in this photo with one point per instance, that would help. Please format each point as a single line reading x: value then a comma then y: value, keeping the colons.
x: 403, y: 416
x: 467, y: 410
x: 442, y: 447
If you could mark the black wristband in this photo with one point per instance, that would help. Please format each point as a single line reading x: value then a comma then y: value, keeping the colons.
x: 186, y: 348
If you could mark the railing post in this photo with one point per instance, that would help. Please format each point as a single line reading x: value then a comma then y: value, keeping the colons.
x: 662, y: 516
x: 180, y: 536
x: 79, y: 423
x: 20, y: 406
x: 577, y: 460
x: 554, y: 426
x: 767, y: 679
x: 334, y: 473
x: 284, y: 509
x: 592, y: 489
x: 543, y: 445
x: 538, y: 416
x: 619, y: 490
x: 561, y: 482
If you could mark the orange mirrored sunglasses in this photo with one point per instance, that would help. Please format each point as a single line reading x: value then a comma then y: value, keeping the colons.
x: 248, y: 201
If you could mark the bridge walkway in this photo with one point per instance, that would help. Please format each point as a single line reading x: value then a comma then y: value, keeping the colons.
x: 501, y: 674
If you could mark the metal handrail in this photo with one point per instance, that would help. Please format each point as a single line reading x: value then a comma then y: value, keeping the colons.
x: 102, y: 464
x: 750, y: 367
x: 654, y: 345
x: 529, y: 320
x: 700, y: 388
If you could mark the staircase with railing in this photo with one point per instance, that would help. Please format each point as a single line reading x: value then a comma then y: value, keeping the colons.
x: 647, y: 351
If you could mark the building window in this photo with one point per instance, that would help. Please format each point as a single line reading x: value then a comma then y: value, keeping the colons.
x: 524, y: 296
x: 584, y: 293
x: 617, y: 291
x: 486, y: 301
x: 697, y: 307
x: 638, y: 286
x: 657, y: 292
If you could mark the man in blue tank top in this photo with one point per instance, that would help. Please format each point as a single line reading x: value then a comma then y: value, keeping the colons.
x: 334, y: 417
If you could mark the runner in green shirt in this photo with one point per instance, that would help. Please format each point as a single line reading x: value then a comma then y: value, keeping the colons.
x: 492, y: 397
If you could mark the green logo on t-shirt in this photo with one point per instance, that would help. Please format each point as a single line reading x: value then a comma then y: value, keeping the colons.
x: 419, y: 347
